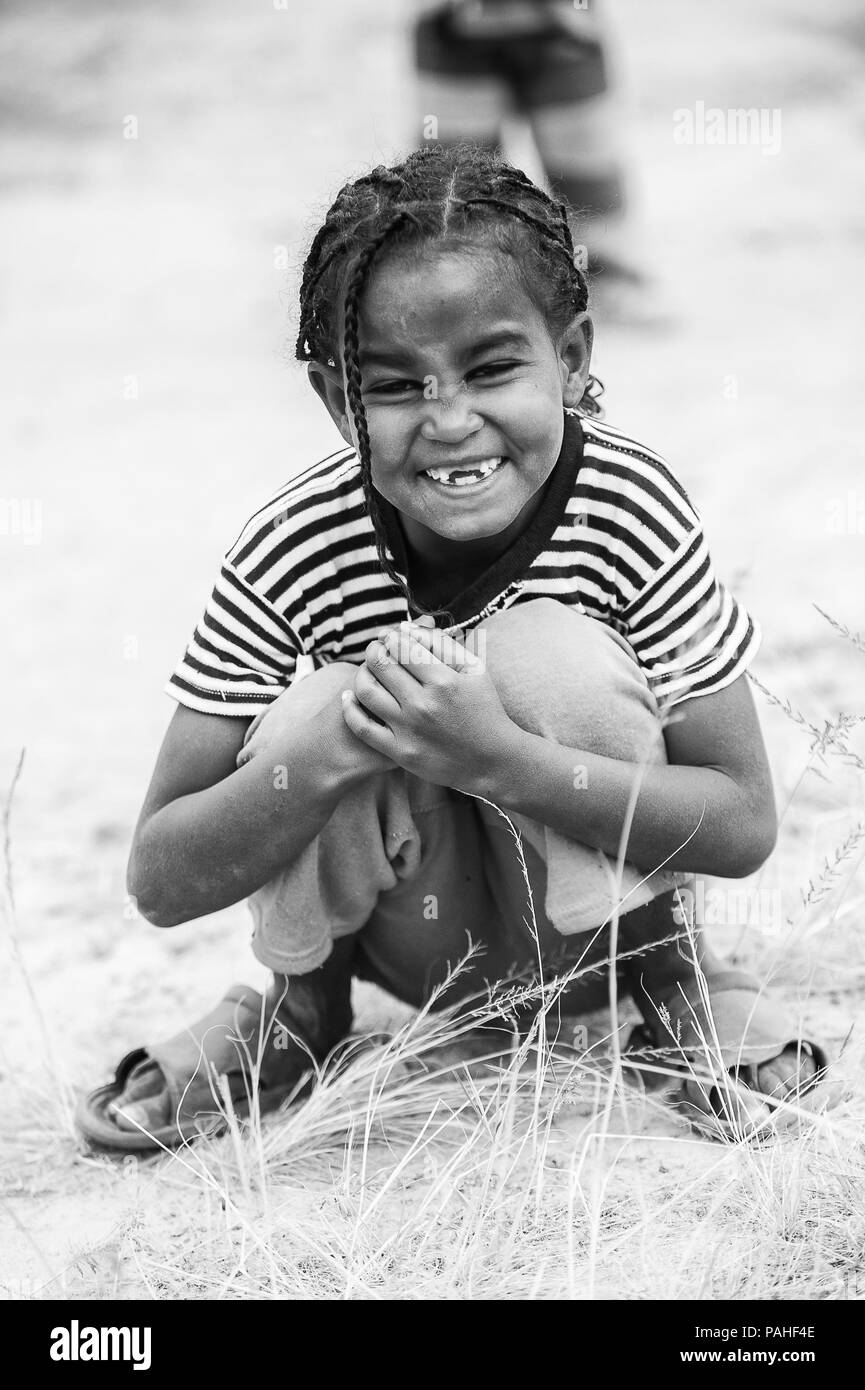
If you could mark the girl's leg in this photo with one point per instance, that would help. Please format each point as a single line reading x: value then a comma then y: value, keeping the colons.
x: 566, y: 677
x: 575, y: 681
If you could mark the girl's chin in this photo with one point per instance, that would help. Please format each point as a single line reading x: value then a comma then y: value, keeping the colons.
x: 472, y: 528
x: 475, y: 518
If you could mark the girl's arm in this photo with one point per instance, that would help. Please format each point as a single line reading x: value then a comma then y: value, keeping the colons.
x: 712, y: 810
x: 209, y: 833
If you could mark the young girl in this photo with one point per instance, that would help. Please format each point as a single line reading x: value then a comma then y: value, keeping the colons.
x: 486, y: 599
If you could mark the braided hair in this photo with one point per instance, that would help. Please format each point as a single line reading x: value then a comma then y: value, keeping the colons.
x: 458, y: 193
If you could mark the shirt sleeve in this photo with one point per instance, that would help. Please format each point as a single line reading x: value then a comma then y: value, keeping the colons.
x: 242, y: 654
x: 689, y: 633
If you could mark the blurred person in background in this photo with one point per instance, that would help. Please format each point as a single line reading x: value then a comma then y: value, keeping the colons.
x: 481, y: 63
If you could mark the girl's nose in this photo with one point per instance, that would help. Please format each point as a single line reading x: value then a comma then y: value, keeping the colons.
x: 450, y: 419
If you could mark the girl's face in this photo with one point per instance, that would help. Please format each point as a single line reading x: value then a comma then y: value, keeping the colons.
x: 463, y: 389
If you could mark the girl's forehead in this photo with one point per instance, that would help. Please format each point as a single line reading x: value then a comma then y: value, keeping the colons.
x: 410, y: 298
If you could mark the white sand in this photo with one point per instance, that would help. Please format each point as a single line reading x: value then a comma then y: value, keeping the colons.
x: 152, y: 266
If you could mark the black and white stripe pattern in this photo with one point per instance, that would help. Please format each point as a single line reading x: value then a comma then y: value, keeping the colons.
x: 303, y: 578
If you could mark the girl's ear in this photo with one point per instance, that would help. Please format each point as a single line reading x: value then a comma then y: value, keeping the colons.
x: 326, y: 382
x: 575, y: 355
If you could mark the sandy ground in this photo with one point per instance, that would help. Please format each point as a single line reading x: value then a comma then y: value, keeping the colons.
x: 150, y: 405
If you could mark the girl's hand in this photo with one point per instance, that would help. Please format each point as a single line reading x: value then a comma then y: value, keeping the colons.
x: 440, y: 719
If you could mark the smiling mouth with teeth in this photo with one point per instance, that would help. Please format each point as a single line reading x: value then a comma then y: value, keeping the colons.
x: 462, y: 477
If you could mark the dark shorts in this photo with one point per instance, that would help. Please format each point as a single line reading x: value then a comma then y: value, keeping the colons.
x: 549, y: 65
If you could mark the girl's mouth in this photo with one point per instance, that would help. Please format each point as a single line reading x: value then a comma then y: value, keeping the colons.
x: 466, y: 476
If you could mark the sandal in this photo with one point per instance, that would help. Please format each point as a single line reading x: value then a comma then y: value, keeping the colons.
x: 220, y: 1050
x: 719, y: 1052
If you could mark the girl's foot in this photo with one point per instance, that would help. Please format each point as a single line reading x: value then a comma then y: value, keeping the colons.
x: 256, y: 1051
x: 737, y: 1047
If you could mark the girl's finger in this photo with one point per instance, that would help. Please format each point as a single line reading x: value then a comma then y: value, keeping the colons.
x: 424, y: 622
x: 374, y: 697
x: 427, y: 635
x: 446, y: 649
x: 417, y: 659
x: 375, y: 736
x: 382, y: 661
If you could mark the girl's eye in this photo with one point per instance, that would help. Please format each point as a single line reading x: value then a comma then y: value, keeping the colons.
x: 492, y: 369
x: 393, y: 388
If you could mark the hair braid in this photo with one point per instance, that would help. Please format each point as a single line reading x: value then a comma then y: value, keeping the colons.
x: 354, y: 385
x: 307, y: 325
x: 314, y: 267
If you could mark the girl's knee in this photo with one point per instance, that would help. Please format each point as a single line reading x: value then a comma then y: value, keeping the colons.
x: 570, y: 677
x: 302, y: 700
x: 546, y: 636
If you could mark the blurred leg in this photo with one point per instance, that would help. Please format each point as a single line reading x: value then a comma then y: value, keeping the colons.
x: 563, y: 87
x: 461, y: 92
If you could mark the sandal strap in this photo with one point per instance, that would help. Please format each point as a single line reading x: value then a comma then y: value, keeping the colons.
x: 221, y: 1037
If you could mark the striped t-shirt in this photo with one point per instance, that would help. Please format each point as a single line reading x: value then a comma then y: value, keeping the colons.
x: 614, y: 537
